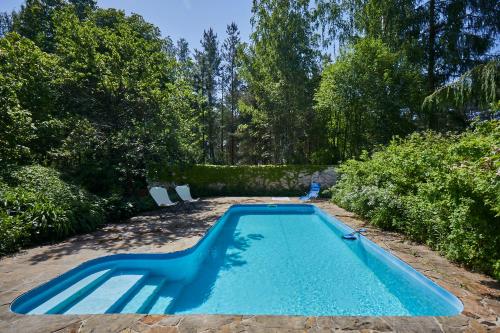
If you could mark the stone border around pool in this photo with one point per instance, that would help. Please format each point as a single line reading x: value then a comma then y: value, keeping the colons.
x: 166, y: 231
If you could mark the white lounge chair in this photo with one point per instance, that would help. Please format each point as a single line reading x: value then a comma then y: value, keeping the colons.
x: 160, y: 195
x: 185, y: 194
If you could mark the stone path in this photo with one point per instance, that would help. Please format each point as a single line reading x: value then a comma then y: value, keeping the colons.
x: 164, y: 231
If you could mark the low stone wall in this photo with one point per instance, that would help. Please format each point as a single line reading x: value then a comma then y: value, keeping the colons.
x: 214, y: 180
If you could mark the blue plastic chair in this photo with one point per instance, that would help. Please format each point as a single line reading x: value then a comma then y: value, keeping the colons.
x: 313, y: 192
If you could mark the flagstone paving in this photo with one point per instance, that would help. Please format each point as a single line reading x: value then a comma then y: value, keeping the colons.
x: 167, y: 231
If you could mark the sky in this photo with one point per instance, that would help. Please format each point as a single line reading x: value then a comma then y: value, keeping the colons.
x: 180, y: 18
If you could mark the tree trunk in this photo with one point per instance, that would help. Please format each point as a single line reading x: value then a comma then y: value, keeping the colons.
x: 223, y: 155
x: 431, y: 64
x: 231, y: 128
x: 203, y: 133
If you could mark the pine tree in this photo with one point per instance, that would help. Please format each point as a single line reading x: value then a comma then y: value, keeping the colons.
x: 5, y: 23
x: 233, y: 83
x: 208, y: 67
x: 185, y: 62
x: 281, y: 68
x: 183, y: 53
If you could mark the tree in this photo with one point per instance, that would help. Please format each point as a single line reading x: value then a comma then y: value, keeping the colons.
x: 445, y: 38
x: 457, y: 36
x: 28, y: 81
x: 475, y: 94
x: 231, y: 70
x: 35, y: 21
x: 254, y: 135
x: 208, y: 67
x: 118, y: 125
x: 169, y: 47
x: 183, y: 50
x: 365, y: 98
x: 186, y: 65
x: 83, y: 7
x: 280, y: 69
x: 5, y: 23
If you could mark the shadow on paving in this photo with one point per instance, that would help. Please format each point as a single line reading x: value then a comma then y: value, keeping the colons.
x: 148, y: 229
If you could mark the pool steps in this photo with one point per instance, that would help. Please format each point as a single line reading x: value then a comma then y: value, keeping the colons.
x: 138, y: 292
x: 102, y: 298
x: 71, y: 293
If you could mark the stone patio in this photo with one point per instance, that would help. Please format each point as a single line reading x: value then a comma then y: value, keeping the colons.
x: 164, y: 231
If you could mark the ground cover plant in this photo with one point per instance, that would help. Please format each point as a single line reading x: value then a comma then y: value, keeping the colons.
x: 38, y: 206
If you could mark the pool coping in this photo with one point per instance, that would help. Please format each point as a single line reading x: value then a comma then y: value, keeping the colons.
x: 475, y: 317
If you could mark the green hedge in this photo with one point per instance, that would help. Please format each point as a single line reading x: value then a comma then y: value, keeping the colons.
x: 440, y: 190
x: 214, y: 180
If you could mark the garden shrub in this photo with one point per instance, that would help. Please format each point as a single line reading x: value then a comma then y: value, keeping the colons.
x: 441, y: 190
x: 38, y: 206
x: 119, y: 207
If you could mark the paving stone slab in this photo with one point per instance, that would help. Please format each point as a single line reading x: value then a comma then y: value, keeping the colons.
x: 170, y: 320
x: 413, y: 324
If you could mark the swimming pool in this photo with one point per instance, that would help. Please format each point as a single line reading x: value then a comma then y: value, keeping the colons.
x: 256, y: 260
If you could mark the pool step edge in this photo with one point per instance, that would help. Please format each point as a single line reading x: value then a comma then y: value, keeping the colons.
x: 80, y: 294
x: 129, y: 294
x: 148, y: 304
x: 168, y: 293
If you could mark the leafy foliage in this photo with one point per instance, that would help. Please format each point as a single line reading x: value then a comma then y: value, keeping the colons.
x: 281, y: 71
x: 136, y: 110
x: 366, y: 97
x: 27, y: 81
x: 475, y: 92
x: 444, y: 37
x: 439, y: 190
x: 97, y: 95
x: 37, y: 205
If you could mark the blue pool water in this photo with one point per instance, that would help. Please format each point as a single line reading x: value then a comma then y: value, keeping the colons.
x: 257, y: 259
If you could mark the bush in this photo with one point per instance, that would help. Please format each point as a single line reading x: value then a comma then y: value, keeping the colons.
x: 13, y: 234
x: 38, y: 206
x: 119, y: 207
x: 440, y: 190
